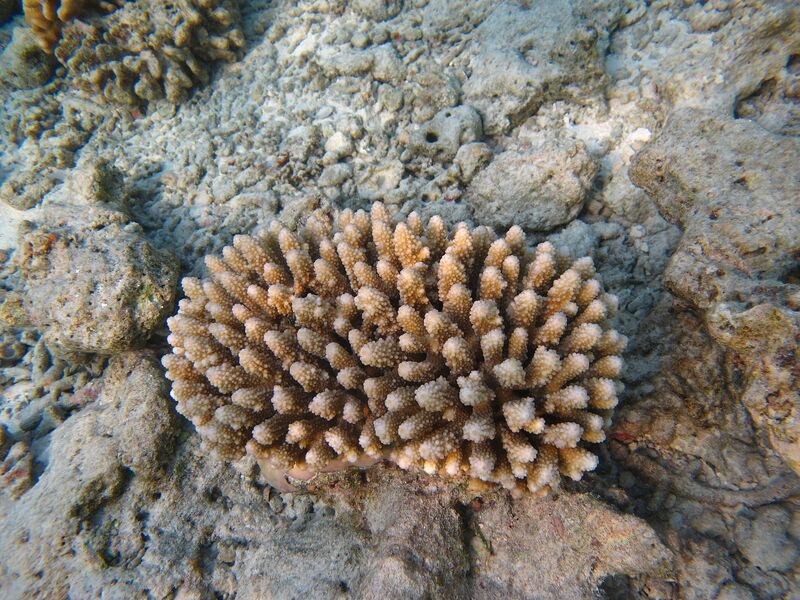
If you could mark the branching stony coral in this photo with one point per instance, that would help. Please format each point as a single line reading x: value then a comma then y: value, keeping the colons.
x: 47, y: 16
x: 458, y: 353
x: 132, y: 52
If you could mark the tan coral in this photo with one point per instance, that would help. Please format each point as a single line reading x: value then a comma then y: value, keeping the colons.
x: 132, y: 53
x: 46, y: 17
x: 358, y: 338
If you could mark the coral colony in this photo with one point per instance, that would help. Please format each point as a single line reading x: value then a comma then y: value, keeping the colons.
x: 458, y: 353
x: 131, y: 53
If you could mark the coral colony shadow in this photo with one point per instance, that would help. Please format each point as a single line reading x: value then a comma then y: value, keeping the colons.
x: 358, y: 339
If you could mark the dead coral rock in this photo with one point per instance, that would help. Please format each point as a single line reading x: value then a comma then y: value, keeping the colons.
x: 733, y: 188
x: 767, y: 339
x: 16, y: 470
x: 90, y: 279
x: 709, y: 463
x: 5, y: 441
x: 433, y: 540
x: 454, y: 352
x: 90, y: 526
x: 147, y: 50
x: 442, y: 136
x: 134, y: 388
x: 537, y: 188
x: 379, y: 10
x: 25, y: 188
x: 775, y: 104
x: 419, y: 551
x: 87, y: 472
x: 23, y: 64
x: 578, y: 531
x: 696, y: 422
x: 526, y: 56
x: 763, y: 539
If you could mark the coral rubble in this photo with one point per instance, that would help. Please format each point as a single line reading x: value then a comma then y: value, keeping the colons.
x: 459, y: 353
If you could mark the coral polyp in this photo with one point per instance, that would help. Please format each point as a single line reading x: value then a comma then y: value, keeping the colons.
x: 357, y: 337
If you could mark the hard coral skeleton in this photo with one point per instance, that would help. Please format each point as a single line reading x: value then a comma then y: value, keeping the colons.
x: 358, y: 338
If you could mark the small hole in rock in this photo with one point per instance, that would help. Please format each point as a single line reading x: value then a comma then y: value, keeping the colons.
x: 431, y: 137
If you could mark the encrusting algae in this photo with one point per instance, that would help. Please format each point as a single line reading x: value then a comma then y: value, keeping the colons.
x: 358, y: 339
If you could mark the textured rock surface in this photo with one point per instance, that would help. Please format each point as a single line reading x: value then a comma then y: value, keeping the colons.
x: 443, y: 136
x: 735, y: 195
x: 88, y: 277
x: 546, y: 52
x: 22, y: 63
x: 713, y: 188
x: 537, y: 187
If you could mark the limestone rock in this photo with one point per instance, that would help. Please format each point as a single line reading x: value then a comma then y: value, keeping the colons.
x: 763, y: 539
x: 379, y: 10
x: 432, y: 542
x: 734, y: 191
x: 91, y: 281
x: 375, y: 181
x: 536, y: 188
x: 711, y: 174
x: 472, y: 157
x: 23, y: 64
x: 578, y: 531
x: 765, y: 338
x: 145, y: 443
x: 402, y: 567
x: 529, y: 55
x: 442, y: 136
x: 387, y: 65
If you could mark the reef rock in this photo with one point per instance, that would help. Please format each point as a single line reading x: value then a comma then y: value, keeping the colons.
x: 733, y: 187
x: 442, y: 136
x: 90, y: 280
x: 95, y: 522
x: 23, y: 64
x: 527, y: 55
x: 435, y: 543
x: 379, y: 10
x: 537, y: 187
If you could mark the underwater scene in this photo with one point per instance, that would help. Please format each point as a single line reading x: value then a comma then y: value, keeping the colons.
x: 399, y: 299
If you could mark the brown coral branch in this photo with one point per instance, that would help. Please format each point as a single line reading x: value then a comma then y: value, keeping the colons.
x: 358, y: 338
